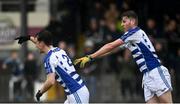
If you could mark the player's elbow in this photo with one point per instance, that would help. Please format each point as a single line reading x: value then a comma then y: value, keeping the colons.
x: 51, y: 78
x: 52, y: 81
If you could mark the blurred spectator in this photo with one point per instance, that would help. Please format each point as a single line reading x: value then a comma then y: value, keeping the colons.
x: 88, y: 48
x: 93, y: 32
x: 171, y: 35
x: 63, y: 45
x: 125, y: 5
x: 30, y: 73
x: 127, y: 76
x: 178, y: 22
x: 151, y: 28
x: 90, y: 72
x: 71, y: 51
x: 161, y: 52
x: 166, y: 19
x: 15, y: 84
x: 97, y: 11
x: 177, y: 73
x: 69, y: 48
x: 110, y: 33
x: 171, y: 30
x: 111, y: 14
x: 93, y: 27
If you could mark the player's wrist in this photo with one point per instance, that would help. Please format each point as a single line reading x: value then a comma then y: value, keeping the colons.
x: 40, y: 93
x: 89, y: 57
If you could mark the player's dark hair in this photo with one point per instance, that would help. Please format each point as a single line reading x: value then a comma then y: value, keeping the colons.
x: 45, y: 36
x: 130, y: 14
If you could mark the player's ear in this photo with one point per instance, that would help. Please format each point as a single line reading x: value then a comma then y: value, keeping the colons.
x: 133, y: 21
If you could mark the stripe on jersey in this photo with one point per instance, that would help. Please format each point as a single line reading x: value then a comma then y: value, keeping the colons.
x: 154, y: 54
x: 71, y: 83
x: 138, y: 57
x: 65, y: 88
x: 140, y: 61
x: 78, y: 78
x: 61, y: 82
x: 137, y: 54
x: 130, y: 32
x: 75, y: 76
x: 72, y: 73
x: 48, y: 67
x: 56, y: 49
x: 81, y: 82
x: 47, y: 56
x: 141, y: 64
x: 135, y: 51
x: 46, y: 62
x: 63, y: 85
x: 150, y: 60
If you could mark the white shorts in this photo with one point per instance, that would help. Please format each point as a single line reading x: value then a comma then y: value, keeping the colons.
x: 80, y: 96
x: 156, y: 82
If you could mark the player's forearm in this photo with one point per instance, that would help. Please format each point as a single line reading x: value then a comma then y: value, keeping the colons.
x: 109, y: 53
x: 105, y: 54
x: 48, y: 84
x: 103, y: 51
x: 107, y: 48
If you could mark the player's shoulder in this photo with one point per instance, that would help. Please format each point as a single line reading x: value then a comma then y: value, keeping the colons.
x: 50, y: 55
x: 56, y: 51
x: 130, y: 33
x: 52, y: 59
x: 141, y: 33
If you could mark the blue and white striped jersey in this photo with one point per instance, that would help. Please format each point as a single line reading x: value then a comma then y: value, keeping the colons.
x: 57, y: 61
x: 141, y: 48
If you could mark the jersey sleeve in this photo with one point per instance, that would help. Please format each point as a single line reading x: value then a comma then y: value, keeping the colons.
x: 51, y: 64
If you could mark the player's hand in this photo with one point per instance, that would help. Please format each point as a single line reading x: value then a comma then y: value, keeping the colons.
x: 22, y: 39
x: 38, y: 95
x: 83, y: 61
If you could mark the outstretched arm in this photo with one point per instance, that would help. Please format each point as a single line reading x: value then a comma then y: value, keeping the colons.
x: 22, y: 39
x: 101, y: 52
x: 107, y: 48
x: 113, y: 51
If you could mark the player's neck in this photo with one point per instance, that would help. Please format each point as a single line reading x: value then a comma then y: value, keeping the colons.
x: 47, y: 49
x: 133, y: 27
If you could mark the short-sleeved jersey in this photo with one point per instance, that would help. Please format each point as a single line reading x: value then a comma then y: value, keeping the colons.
x: 141, y: 48
x: 57, y: 61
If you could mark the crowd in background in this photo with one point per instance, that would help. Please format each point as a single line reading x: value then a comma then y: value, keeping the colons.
x: 100, y: 24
